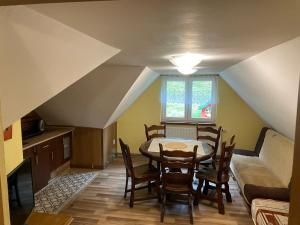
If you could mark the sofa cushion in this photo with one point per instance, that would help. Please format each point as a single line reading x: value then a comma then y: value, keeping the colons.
x: 251, y: 170
x: 277, y: 155
x: 267, y: 212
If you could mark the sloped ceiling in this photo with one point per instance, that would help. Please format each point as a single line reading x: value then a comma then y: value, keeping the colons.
x: 39, y: 57
x: 148, y: 32
x: 268, y: 82
x: 23, y: 2
x: 91, y: 101
x: 146, y: 78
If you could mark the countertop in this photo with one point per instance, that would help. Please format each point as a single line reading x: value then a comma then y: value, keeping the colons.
x: 47, y: 135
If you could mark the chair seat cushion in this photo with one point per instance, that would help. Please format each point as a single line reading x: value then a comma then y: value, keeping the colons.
x: 267, y: 211
x: 145, y: 172
x: 251, y: 170
x: 211, y: 175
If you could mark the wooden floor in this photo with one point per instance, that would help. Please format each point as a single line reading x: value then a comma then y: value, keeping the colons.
x: 102, y: 203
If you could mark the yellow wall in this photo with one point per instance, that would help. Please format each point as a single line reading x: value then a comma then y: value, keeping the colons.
x: 232, y: 114
x: 235, y: 116
x: 4, y: 208
x: 13, y: 151
x: 145, y: 110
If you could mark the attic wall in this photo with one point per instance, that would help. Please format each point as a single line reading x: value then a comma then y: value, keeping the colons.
x: 13, y: 149
x: 40, y: 57
x: 92, y: 100
x: 4, y: 206
x: 145, y: 110
x: 268, y: 83
x: 233, y: 115
x: 146, y: 78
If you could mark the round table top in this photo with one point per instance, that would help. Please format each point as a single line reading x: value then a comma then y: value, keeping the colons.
x: 205, y: 154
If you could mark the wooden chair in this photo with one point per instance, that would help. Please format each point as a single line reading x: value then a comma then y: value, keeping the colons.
x: 138, y: 175
x: 174, y: 182
x: 232, y: 140
x: 212, y: 137
x: 218, y: 177
x: 155, y: 131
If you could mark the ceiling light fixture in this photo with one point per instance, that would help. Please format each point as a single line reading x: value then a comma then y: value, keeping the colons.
x: 185, y: 63
x: 186, y: 60
x: 186, y: 70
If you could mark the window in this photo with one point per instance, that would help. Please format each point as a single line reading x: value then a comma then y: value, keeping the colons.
x: 188, y: 99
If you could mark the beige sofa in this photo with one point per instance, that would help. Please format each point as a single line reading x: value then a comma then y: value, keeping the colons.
x: 265, y: 172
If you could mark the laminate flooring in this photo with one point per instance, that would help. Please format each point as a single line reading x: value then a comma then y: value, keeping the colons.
x: 102, y: 202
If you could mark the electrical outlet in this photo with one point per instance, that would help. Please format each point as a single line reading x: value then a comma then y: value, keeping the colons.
x: 114, y: 141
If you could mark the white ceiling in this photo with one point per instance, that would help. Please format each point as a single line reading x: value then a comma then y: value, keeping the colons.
x: 38, y: 49
x: 92, y: 100
x: 40, y: 57
x: 147, y: 32
x: 269, y: 83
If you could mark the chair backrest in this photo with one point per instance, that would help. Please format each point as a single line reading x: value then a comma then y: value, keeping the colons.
x: 224, y: 163
x: 127, y: 158
x: 174, y: 161
x: 232, y: 140
x: 210, y: 135
x: 155, y: 131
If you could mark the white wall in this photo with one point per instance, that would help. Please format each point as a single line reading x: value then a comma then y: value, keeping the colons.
x: 91, y: 101
x: 268, y: 82
x: 40, y: 57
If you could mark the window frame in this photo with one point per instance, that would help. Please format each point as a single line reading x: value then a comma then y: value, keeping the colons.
x: 188, y: 98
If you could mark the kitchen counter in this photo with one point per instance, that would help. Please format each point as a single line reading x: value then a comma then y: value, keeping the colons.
x: 47, y: 135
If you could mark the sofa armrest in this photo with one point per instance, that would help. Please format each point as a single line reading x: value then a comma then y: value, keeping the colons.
x: 253, y: 191
x: 244, y: 152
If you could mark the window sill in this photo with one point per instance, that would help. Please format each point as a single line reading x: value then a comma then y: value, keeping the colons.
x: 187, y: 123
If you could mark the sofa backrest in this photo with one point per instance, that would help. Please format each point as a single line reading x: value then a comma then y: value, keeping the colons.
x: 277, y: 154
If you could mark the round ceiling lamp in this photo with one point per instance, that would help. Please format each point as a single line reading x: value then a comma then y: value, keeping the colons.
x: 186, y: 70
x: 185, y: 63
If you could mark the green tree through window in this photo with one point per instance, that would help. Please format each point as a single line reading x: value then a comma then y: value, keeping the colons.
x: 189, y: 99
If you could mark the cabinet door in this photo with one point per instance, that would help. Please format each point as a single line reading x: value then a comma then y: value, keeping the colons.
x: 42, y: 164
x: 57, y: 153
x: 67, y: 146
x: 30, y: 153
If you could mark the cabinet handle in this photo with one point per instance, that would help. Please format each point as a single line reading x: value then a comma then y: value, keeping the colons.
x: 46, y: 146
x: 52, y: 156
x: 36, y: 160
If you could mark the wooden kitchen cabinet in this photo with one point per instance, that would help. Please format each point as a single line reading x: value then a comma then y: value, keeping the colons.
x: 56, y: 153
x: 67, y: 147
x: 42, y: 165
x: 30, y: 153
x: 47, y: 156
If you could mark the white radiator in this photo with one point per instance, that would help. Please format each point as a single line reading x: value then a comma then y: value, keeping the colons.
x: 180, y: 131
x: 173, y: 131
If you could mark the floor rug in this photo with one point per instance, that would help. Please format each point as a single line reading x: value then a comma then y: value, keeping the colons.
x: 61, y: 190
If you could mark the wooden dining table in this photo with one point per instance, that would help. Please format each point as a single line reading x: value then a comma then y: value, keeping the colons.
x: 150, y: 148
